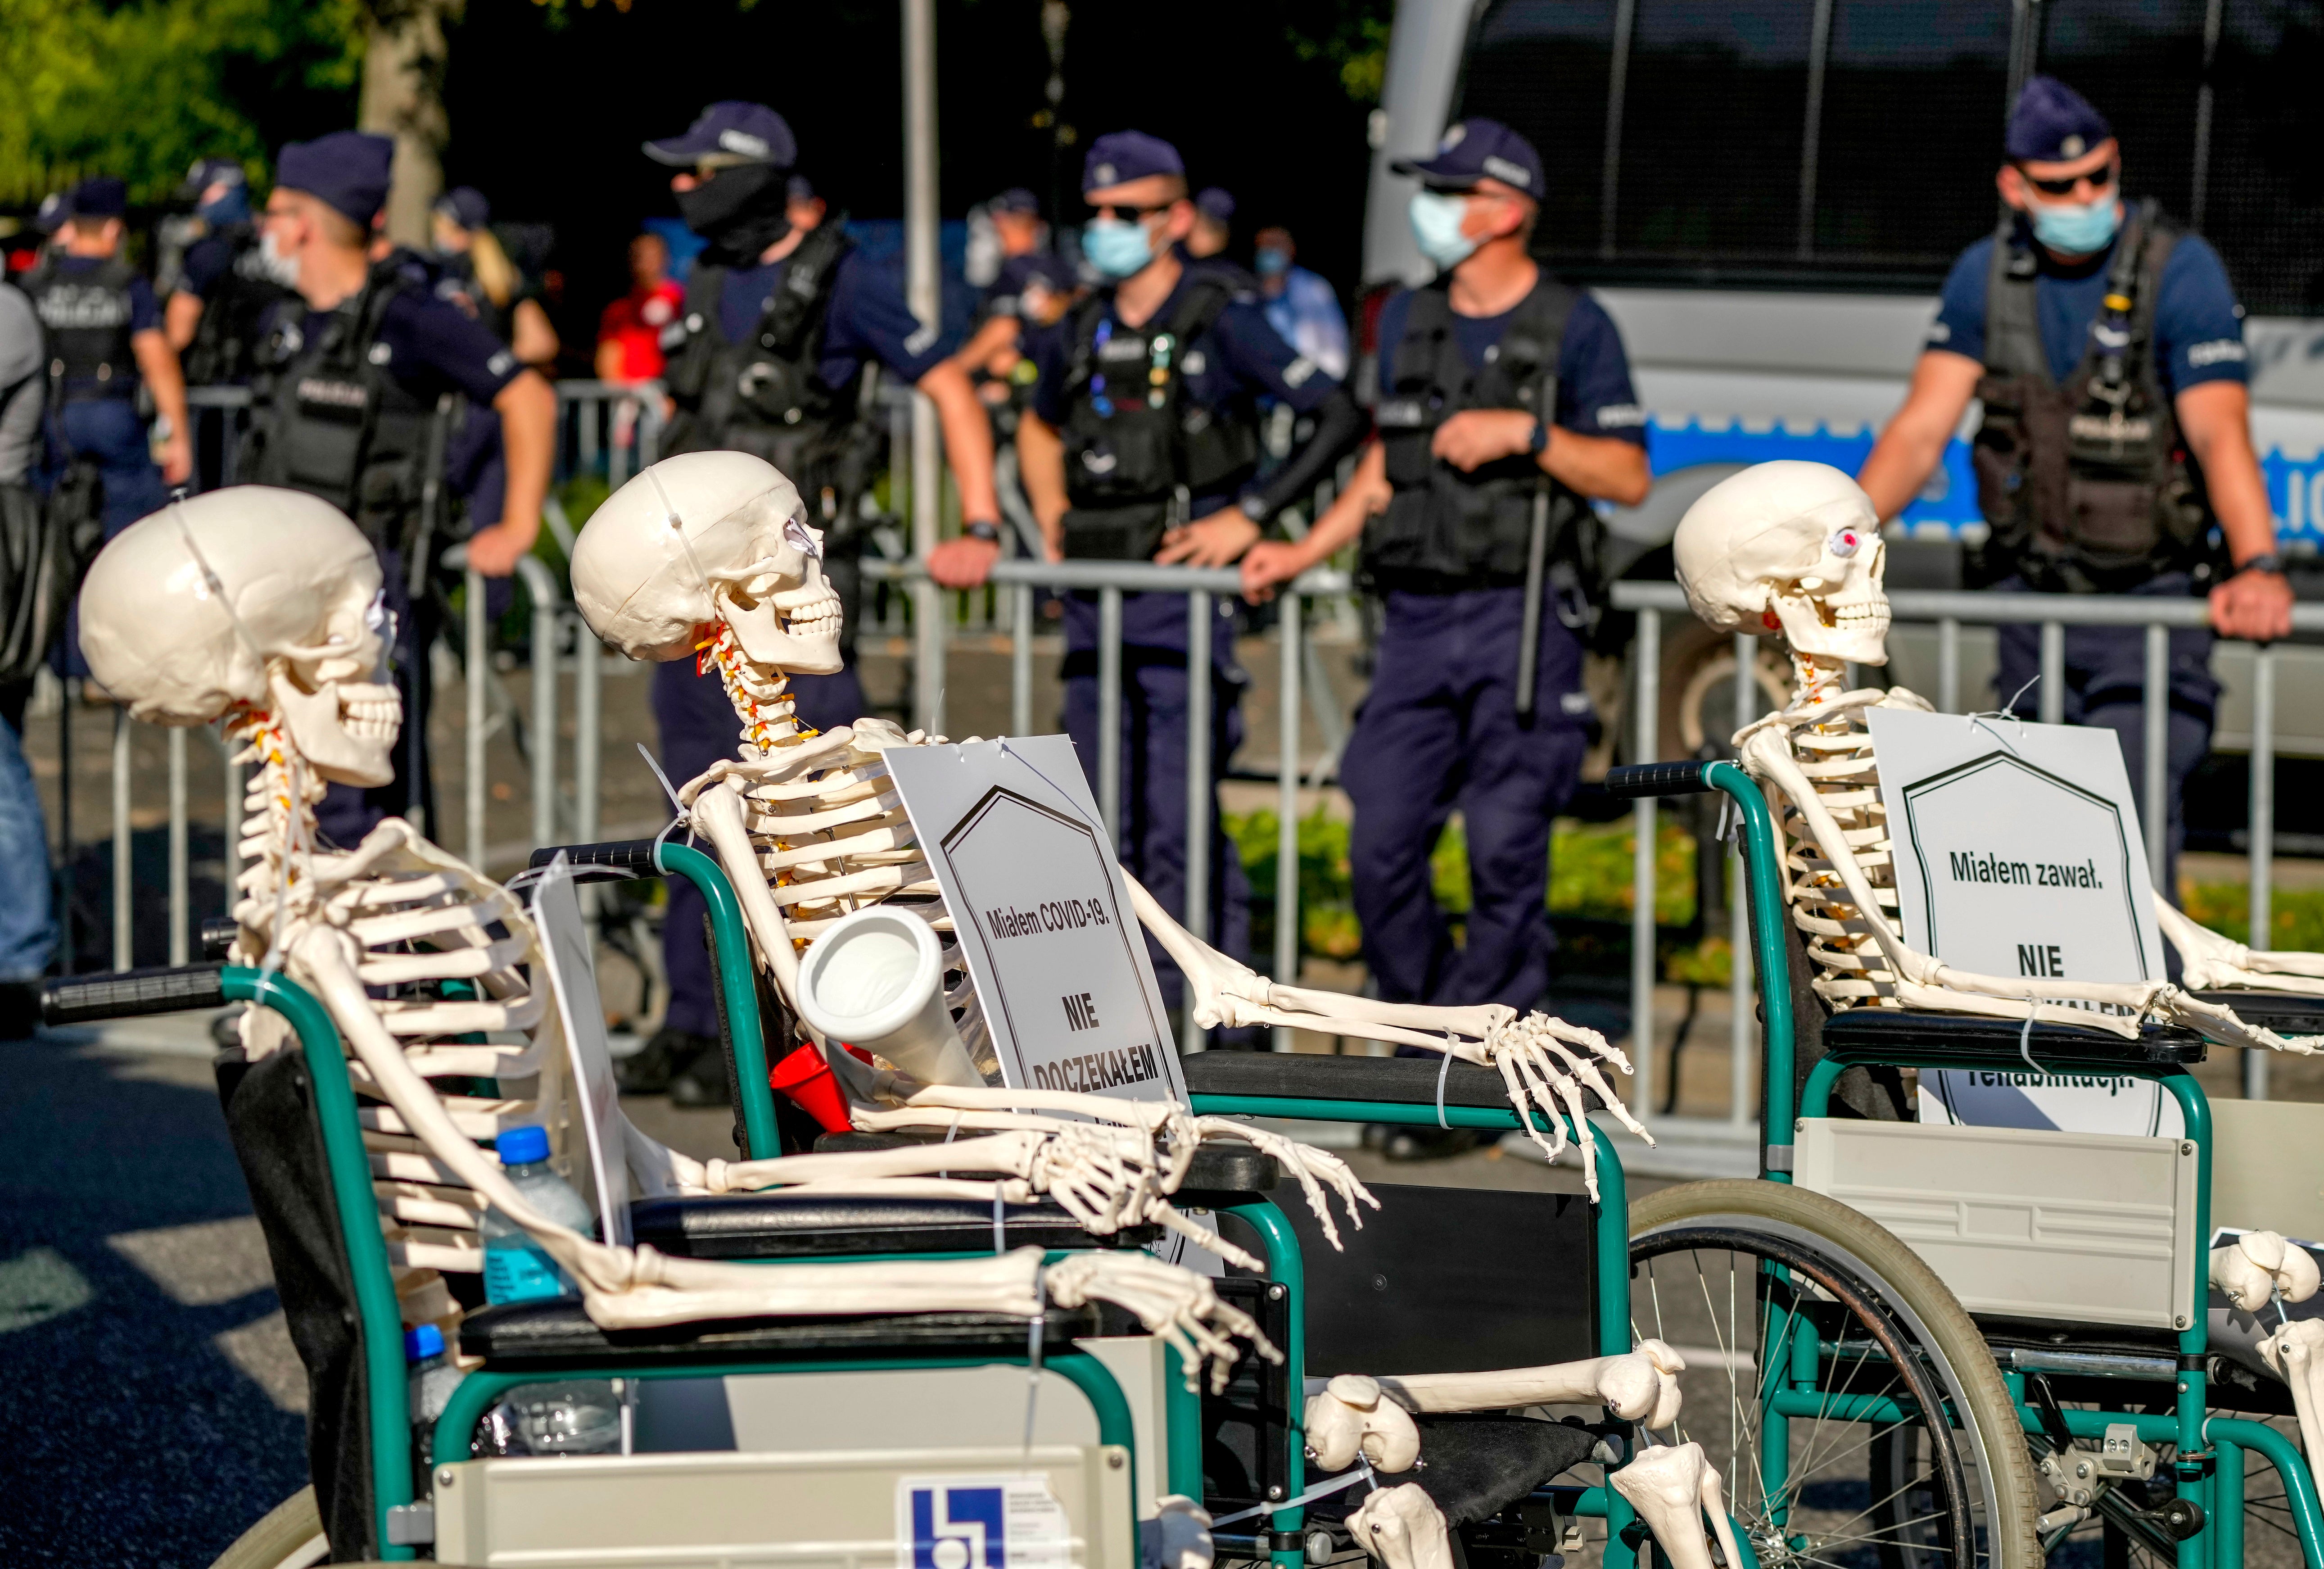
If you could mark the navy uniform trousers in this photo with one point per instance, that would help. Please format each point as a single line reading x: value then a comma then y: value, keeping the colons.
x: 1155, y: 718
x: 698, y: 727
x: 2106, y: 686
x: 1438, y: 732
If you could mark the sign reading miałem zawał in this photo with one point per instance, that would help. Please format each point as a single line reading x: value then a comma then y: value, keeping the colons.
x: 1057, y: 957
x: 2018, y: 853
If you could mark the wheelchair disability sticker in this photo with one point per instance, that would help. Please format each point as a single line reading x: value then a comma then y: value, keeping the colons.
x: 981, y: 1522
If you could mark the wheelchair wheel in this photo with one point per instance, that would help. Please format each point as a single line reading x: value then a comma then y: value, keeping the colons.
x: 288, y: 1537
x: 1722, y: 1270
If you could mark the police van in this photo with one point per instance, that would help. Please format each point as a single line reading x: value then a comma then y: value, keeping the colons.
x: 1766, y: 195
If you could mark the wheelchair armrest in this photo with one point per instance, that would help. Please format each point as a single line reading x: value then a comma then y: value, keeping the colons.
x: 774, y: 1225
x: 1312, y: 1076
x: 559, y: 1335
x: 634, y: 856
x: 132, y: 994
x: 1880, y: 1034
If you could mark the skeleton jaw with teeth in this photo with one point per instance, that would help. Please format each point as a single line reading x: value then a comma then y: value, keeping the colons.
x: 1795, y: 547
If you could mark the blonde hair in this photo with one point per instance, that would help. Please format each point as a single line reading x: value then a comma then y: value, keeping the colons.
x: 494, y: 271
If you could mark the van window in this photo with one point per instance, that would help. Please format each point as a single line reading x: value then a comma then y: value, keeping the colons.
x: 1829, y: 143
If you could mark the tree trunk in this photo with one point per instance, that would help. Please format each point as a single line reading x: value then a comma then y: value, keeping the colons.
x: 403, y: 97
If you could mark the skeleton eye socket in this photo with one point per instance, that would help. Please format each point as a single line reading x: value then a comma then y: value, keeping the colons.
x: 796, y: 534
x: 1846, y: 542
x: 378, y: 617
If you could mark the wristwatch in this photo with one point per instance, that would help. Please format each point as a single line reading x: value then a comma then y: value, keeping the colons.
x: 990, y: 532
x: 1253, y: 508
x: 2266, y: 561
x: 1538, y: 442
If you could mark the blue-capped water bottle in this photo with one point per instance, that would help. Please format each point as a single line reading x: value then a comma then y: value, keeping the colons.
x: 517, y: 1269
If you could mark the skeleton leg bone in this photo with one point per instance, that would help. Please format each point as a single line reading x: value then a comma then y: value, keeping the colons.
x: 1403, y: 1529
x: 1641, y: 1385
x: 1670, y: 1486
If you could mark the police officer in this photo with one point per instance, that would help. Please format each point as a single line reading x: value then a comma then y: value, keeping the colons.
x: 104, y: 334
x: 1214, y: 230
x: 228, y: 283
x: 1142, y: 443
x: 360, y: 378
x: 1506, y: 406
x: 777, y: 350
x: 2115, y: 455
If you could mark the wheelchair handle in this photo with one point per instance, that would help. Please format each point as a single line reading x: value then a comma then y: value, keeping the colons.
x: 634, y: 856
x: 132, y: 994
x: 1634, y: 780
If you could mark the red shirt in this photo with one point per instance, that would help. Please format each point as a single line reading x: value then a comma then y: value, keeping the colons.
x: 635, y: 321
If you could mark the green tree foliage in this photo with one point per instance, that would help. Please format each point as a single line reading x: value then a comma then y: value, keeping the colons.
x: 1350, y: 35
x: 141, y: 89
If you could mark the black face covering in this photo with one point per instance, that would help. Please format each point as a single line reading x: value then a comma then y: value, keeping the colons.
x: 739, y: 211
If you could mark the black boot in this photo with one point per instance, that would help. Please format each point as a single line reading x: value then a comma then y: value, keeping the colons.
x: 649, y: 1072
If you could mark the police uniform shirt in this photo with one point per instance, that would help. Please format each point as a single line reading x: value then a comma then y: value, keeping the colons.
x: 1004, y: 296
x: 1594, y: 394
x: 2198, y: 330
x: 144, y: 315
x: 1241, y: 356
x: 432, y: 347
x: 866, y: 320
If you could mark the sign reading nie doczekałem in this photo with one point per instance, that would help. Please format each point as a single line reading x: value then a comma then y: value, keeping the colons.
x: 2018, y: 853
x: 1043, y: 914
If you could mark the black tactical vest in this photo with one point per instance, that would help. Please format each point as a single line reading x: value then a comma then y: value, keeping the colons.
x: 2087, y: 487
x: 84, y: 327
x: 330, y: 418
x: 1443, y: 530
x: 766, y: 395
x: 1137, y: 449
x: 224, y: 350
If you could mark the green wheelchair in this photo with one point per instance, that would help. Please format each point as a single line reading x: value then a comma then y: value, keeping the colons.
x: 2052, y: 1287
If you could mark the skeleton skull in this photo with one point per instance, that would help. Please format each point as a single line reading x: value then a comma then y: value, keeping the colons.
x: 1790, y: 545
x: 256, y: 595
x: 701, y: 538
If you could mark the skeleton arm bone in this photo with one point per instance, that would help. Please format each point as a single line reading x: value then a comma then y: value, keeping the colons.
x: 718, y: 813
x: 2216, y: 962
x: 1924, y: 981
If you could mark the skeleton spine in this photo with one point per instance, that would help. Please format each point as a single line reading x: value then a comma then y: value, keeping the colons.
x: 1835, y: 752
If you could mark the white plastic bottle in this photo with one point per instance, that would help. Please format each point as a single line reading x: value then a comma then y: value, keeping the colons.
x: 517, y: 1269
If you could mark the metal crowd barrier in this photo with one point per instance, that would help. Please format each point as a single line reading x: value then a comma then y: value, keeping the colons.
x: 1949, y: 613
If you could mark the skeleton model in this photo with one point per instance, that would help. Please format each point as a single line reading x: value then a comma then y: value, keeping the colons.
x: 262, y: 607
x: 707, y: 555
x: 1795, y: 548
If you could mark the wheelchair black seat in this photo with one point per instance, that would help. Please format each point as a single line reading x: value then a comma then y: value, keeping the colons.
x: 559, y: 1335
x: 1313, y: 1076
x: 1474, y: 1466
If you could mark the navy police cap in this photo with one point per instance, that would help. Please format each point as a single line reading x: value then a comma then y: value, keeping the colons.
x: 98, y: 197
x: 733, y: 130
x: 466, y: 206
x: 1016, y: 199
x: 1118, y: 157
x: 1215, y: 204
x: 208, y: 172
x: 2053, y: 123
x: 349, y: 171
x: 1475, y: 149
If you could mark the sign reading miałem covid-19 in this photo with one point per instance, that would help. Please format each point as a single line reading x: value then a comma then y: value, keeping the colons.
x: 2018, y: 853
x: 1043, y: 914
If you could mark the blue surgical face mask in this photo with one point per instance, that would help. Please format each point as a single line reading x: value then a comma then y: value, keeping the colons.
x: 1271, y: 262
x: 1117, y: 247
x: 227, y: 210
x: 1436, y: 226
x: 2075, y: 229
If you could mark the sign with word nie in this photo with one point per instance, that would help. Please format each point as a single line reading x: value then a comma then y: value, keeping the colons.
x: 1043, y: 916
x: 2018, y: 853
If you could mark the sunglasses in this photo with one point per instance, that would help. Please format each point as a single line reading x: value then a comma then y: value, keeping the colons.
x: 2099, y: 179
x: 1122, y: 209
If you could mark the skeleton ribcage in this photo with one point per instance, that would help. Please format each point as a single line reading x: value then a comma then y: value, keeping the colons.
x: 1837, y: 756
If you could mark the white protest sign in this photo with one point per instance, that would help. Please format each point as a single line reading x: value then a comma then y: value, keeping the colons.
x: 572, y: 980
x: 1044, y: 918
x: 2018, y: 853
